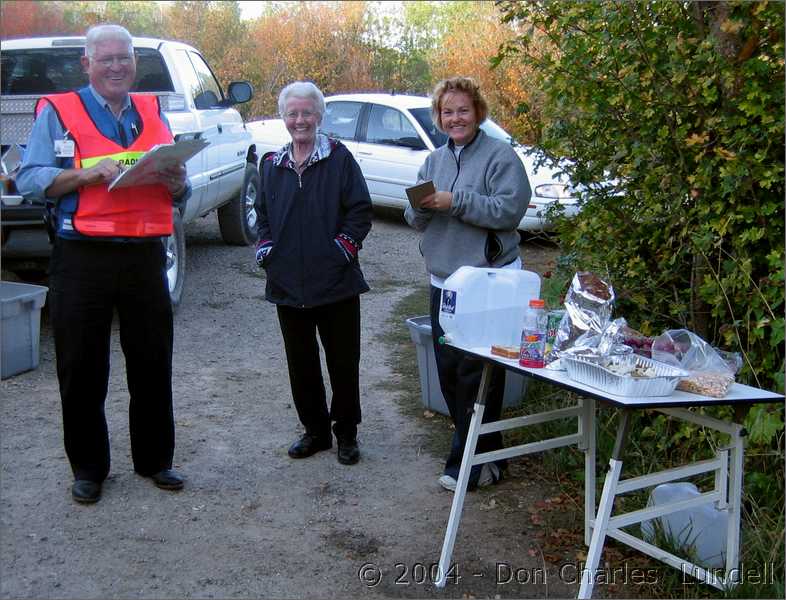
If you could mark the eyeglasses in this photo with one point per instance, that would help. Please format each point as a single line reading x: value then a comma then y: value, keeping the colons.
x: 293, y: 114
x: 108, y: 61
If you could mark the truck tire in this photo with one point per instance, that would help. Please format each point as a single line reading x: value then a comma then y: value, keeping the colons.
x: 238, y: 218
x: 175, y: 245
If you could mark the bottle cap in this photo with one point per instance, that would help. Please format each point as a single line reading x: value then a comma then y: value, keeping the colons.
x: 537, y: 303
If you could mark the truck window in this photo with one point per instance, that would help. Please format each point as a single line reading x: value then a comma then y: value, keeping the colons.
x: 151, y: 72
x: 211, y: 93
x: 187, y: 74
x: 50, y: 70
x: 42, y: 71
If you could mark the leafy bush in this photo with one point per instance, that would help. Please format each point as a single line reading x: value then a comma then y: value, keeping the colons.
x: 681, y: 106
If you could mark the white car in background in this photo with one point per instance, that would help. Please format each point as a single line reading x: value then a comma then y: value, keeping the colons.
x: 390, y: 136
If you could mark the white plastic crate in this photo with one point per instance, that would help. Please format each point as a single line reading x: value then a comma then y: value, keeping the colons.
x: 20, y: 309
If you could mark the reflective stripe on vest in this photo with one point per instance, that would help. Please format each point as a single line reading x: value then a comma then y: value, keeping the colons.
x: 139, y: 211
x: 127, y: 158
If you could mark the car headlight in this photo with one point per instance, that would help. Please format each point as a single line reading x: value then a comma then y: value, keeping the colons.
x: 554, y: 190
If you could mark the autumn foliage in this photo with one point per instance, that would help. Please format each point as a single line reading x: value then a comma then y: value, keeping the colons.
x: 340, y: 46
x: 24, y: 18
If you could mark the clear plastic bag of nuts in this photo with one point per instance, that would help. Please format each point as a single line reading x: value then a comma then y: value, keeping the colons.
x: 710, y: 373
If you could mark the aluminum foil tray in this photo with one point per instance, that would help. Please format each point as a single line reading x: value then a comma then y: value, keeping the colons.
x: 594, y: 375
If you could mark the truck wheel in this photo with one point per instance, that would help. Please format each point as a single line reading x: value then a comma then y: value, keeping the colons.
x: 238, y: 218
x: 176, y: 259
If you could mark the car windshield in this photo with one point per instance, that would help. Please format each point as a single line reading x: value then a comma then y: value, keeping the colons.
x: 423, y: 116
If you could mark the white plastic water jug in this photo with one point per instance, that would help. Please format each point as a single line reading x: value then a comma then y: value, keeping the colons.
x: 702, y: 528
x: 481, y: 307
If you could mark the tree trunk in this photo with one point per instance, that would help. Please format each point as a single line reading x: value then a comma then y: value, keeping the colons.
x: 699, y: 310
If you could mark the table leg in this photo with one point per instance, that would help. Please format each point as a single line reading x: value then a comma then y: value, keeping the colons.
x: 588, y: 431
x: 736, y: 470
x: 463, y: 478
x: 604, y: 509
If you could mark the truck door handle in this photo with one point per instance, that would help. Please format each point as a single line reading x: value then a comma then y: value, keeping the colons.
x: 365, y: 153
x: 219, y: 128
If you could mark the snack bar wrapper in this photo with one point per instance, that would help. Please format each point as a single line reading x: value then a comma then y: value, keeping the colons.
x: 588, y: 306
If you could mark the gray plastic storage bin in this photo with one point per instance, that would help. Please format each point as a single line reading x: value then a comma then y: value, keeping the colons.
x: 430, y: 392
x: 20, y: 309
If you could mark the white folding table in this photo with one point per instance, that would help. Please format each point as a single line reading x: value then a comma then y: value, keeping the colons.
x: 727, y: 466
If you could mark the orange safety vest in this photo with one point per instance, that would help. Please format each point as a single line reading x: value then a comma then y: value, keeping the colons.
x: 138, y: 211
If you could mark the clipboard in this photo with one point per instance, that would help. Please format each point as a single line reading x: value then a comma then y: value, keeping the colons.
x: 416, y: 193
x: 157, y: 158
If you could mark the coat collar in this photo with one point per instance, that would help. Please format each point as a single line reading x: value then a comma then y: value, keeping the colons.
x: 323, y: 146
x: 452, y: 145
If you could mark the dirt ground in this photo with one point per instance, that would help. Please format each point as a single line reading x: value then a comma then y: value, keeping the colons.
x: 251, y: 522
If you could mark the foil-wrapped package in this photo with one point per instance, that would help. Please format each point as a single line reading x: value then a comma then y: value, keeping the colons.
x: 588, y: 306
x: 612, y: 337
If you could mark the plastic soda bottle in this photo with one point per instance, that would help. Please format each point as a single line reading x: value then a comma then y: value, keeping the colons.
x: 533, y: 335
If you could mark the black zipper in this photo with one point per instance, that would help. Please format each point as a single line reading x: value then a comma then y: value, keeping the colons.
x: 458, y: 166
x: 458, y: 160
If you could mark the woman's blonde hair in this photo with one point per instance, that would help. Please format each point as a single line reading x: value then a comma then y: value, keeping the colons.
x: 468, y: 86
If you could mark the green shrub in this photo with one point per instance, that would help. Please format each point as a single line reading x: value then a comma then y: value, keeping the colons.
x: 681, y: 106
x: 672, y: 116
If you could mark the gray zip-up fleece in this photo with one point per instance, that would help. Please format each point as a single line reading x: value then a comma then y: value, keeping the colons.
x: 491, y: 193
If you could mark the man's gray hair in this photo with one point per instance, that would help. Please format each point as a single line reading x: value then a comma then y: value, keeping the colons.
x: 102, y: 33
x: 302, y: 89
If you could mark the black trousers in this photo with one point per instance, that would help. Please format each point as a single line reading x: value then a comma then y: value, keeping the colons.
x: 88, y: 281
x: 459, y: 380
x: 338, y: 325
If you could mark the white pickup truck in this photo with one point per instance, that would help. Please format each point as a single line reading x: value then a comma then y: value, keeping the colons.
x: 225, y: 176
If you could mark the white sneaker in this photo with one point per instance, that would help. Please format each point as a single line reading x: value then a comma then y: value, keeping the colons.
x: 488, y: 474
x: 447, y: 482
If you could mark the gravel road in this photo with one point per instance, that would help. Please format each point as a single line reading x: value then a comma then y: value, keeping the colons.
x: 251, y: 522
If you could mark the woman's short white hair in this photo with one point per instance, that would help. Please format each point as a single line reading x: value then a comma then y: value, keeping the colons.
x: 302, y: 89
x: 102, y: 33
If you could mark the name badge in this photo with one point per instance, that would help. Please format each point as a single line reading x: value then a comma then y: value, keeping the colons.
x: 64, y: 148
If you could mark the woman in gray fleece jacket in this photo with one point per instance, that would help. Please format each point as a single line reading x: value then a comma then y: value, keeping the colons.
x: 482, y: 192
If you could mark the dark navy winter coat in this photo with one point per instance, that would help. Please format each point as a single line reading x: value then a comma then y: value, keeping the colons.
x: 303, y: 215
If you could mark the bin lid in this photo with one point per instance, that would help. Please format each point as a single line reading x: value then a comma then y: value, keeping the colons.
x: 13, y: 292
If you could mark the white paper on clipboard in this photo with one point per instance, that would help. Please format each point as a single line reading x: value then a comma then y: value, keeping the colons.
x: 157, y: 158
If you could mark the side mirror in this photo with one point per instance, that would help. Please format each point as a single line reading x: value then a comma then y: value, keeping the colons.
x: 240, y: 92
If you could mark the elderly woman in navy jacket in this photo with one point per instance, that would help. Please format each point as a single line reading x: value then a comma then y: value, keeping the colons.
x: 314, y: 212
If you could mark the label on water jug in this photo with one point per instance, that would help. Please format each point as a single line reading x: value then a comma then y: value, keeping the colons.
x: 448, y: 302
x: 533, y: 349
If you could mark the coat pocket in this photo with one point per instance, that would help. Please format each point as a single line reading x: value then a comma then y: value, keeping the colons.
x: 493, y: 248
